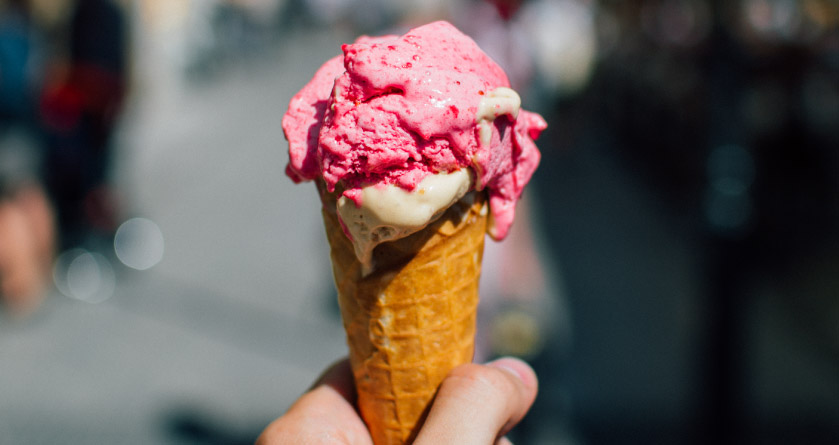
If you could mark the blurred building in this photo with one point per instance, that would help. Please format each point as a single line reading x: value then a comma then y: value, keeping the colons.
x: 694, y: 184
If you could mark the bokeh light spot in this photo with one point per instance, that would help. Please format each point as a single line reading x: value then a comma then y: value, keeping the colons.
x: 84, y: 275
x: 139, y: 244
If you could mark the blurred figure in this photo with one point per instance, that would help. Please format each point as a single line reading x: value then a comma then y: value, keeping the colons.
x: 26, y: 221
x: 27, y: 231
x: 80, y: 107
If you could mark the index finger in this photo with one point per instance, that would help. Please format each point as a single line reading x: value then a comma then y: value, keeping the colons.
x: 323, y: 415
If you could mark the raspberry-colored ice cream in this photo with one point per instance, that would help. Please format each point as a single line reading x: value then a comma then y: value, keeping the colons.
x: 394, y: 111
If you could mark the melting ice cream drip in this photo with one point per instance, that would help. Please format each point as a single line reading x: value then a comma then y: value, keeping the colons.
x: 388, y: 212
x: 497, y: 102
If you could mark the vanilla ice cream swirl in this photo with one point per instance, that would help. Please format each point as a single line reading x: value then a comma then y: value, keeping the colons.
x: 389, y: 212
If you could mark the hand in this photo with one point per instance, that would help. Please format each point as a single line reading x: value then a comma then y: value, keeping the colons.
x: 476, y: 405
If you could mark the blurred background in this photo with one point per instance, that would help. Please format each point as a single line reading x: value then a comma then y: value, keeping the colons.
x: 673, y: 274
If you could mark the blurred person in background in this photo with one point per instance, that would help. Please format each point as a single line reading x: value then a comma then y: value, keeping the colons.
x: 80, y: 106
x: 26, y: 219
x: 27, y: 230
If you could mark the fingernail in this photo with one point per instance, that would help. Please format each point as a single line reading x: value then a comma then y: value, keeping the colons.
x: 503, y: 441
x: 511, y: 365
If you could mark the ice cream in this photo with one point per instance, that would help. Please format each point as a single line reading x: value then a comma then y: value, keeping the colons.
x: 389, y: 212
x: 408, y: 138
x: 394, y: 110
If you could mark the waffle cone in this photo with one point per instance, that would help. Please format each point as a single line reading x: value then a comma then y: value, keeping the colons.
x: 412, y: 320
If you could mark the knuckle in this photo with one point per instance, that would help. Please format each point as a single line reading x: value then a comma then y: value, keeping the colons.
x: 484, y: 380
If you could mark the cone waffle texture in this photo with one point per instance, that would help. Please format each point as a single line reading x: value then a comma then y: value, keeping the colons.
x: 412, y: 319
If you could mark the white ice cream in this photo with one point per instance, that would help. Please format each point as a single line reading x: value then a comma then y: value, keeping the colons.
x: 388, y: 212
x: 497, y: 102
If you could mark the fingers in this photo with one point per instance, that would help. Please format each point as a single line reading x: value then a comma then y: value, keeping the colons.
x: 324, y: 415
x: 478, y: 404
x: 338, y: 376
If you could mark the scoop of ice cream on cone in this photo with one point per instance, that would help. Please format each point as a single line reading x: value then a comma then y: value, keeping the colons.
x: 419, y: 147
x: 393, y: 110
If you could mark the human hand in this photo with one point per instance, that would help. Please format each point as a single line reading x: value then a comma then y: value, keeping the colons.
x: 475, y: 405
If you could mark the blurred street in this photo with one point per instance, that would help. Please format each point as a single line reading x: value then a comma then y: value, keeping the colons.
x: 672, y: 277
x: 219, y: 337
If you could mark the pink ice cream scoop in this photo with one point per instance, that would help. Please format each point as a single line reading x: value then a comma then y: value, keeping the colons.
x: 395, y: 110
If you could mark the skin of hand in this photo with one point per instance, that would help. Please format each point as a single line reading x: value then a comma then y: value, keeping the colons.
x: 475, y: 405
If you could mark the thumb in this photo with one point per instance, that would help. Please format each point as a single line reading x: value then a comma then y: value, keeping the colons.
x: 477, y: 404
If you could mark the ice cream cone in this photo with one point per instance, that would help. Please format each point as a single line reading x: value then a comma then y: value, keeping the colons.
x: 412, y: 319
x: 400, y: 129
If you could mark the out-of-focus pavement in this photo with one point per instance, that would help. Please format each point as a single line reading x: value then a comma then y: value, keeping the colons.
x: 234, y: 323
x: 238, y: 318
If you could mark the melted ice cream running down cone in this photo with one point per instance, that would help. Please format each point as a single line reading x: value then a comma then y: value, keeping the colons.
x: 419, y: 147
